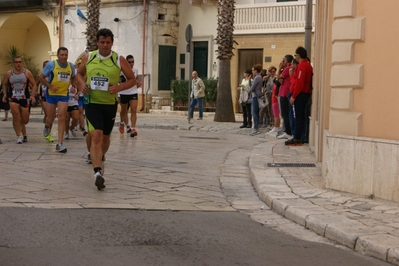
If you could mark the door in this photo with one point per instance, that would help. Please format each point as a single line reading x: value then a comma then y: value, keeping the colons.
x: 246, y: 59
x: 166, y: 67
x: 200, y: 63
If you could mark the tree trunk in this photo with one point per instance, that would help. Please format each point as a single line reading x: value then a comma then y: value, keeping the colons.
x: 93, y: 24
x: 224, y: 105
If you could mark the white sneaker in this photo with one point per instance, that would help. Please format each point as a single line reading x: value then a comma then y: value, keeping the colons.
x: 19, y: 140
x: 73, y: 132
x: 60, y: 148
x: 275, y: 129
x: 284, y: 136
x: 99, y: 181
x: 254, y: 132
x: 66, y: 136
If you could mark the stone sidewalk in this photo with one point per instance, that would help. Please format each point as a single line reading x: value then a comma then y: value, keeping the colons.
x: 369, y: 226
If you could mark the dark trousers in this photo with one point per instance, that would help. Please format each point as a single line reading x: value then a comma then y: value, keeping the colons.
x: 308, y: 108
x: 300, y: 108
x: 246, y: 114
x: 285, y: 113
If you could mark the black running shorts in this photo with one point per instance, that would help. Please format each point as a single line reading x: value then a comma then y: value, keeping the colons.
x: 125, y: 99
x: 101, y: 117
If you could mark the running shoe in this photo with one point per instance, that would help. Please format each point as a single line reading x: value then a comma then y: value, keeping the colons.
x: 99, y: 181
x: 88, y: 159
x: 122, y: 128
x: 129, y: 129
x: 25, y: 138
x: 133, y: 133
x: 49, y: 138
x: 60, y: 148
x: 19, y: 140
x: 66, y: 136
x: 73, y: 132
x: 274, y: 130
x: 46, y: 131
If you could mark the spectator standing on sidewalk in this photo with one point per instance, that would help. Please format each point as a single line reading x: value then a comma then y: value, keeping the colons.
x: 300, y: 94
x: 256, y: 90
x: 197, y: 95
x: 56, y: 76
x: 275, y: 105
x: 16, y: 83
x: 245, y: 99
x: 284, y: 100
x: 271, y: 78
x: 262, y: 111
x: 102, y: 69
x: 129, y: 99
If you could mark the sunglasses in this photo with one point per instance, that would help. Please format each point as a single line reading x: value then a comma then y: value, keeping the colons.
x: 130, y: 62
x: 15, y: 62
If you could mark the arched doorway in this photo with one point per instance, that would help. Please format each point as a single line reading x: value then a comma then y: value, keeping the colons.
x: 29, y: 34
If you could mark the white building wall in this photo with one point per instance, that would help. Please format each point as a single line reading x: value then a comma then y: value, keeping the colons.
x: 128, y: 32
x: 203, y: 20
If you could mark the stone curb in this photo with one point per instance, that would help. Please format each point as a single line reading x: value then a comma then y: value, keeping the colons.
x: 328, y: 222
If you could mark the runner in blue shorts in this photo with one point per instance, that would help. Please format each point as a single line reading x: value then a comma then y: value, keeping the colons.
x: 56, y: 76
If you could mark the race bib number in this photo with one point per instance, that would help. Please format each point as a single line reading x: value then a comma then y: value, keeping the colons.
x: 18, y: 93
x: 97, y: 83
x: 63, y: 76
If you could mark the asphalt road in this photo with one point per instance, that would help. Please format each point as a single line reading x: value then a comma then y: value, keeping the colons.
x: 38, y: 237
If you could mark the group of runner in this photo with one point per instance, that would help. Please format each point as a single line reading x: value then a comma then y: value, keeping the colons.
x: 101, y: 79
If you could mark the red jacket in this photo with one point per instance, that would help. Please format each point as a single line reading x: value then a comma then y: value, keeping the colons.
x: 303, y: 82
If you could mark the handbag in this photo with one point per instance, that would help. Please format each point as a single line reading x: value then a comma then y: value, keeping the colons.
x: 243, y: 96
x: 263, y: 102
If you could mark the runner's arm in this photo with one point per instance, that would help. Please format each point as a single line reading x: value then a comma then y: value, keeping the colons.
x: 80, y: 75
x: 130, y: 78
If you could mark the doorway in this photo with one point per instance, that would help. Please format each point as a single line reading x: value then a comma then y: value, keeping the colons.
x: 166, y: 67
x: 201, y: 59
x: 246, y: 59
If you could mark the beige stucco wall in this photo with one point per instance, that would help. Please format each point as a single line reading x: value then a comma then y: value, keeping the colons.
x: 355, y: 103
x: 377, y: 100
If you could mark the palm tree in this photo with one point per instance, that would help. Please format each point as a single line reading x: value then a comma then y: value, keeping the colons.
x: 93, y: 24
x: 224, y: 105
x: 14, y: 51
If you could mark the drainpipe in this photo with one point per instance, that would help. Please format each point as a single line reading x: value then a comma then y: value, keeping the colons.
x: 308, y: 27
x: 60, y: 24
x: 143, y: 101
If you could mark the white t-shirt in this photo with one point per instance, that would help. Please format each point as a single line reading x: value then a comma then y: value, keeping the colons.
x: 132, y: 90
x: 71, y: 97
